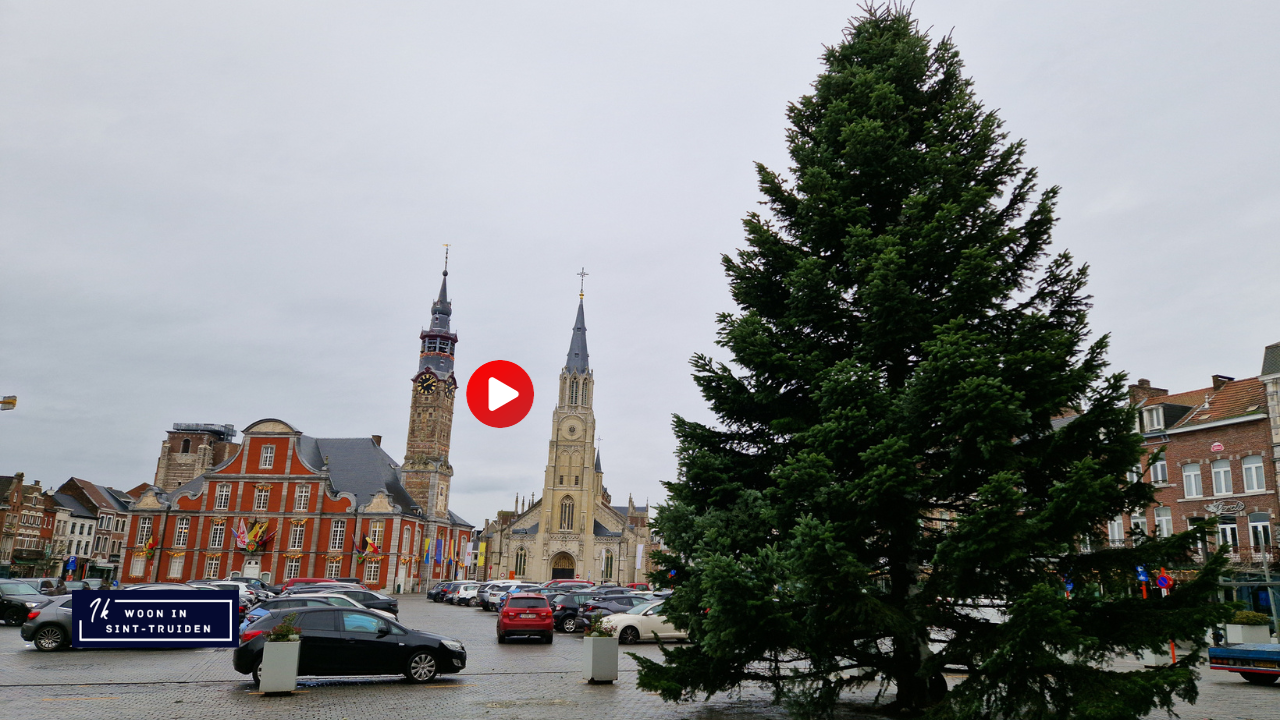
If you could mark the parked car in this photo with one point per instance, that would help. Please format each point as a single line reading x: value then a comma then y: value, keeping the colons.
x: 466, y: 595
x: 641, y: 586
x: 488, y: 592
x: 526, y: 614
x: 608, y: 605
x: 434, y: 593
x: 309, y: 600
x: 17, y: 599
x: 49, y: 625
x: 565, y: 609
x: 370, y: 599
x: 567, y: 581
x: 293, y: 582
x: 164, y: 586
x: 246, y: 596
x: 41, y: 584
x: 340, y: 641
x: 447, y: 590
x: 642, y: 622
x: 510, y: 590
x: 353, y: 581
x: 320, y: 587
x: 610, y: 590
x: 257, y: 583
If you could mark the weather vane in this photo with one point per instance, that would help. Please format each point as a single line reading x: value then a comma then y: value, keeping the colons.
x: 582, y: 278
x: 446, y: 258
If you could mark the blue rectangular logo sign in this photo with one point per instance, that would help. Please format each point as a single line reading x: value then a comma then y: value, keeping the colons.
x: 154, y: 618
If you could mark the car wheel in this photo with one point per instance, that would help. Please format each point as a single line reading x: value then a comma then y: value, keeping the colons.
x: 473, y: 602
x: 14, y: 616
x: 629, y: 635
x: 257, y: 675
x: 550, y: 638
x: 502, y: 637
x: 569, y: 624
x: 422, y: 667
x: 50, y: 638
x: 1259, y: 678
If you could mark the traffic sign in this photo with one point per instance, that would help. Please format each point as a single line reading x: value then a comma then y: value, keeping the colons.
x: 500, y: 393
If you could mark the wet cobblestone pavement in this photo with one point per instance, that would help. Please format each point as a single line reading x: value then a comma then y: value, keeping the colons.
x: 515, y: 681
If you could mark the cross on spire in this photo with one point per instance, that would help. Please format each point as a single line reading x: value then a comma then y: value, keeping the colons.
x: 582, y: 278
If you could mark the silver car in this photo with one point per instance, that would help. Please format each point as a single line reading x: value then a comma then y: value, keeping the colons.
x: 49, y: 626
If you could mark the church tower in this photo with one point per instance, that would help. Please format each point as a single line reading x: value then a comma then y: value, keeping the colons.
x: 572, y: 487
x: 426, y: 471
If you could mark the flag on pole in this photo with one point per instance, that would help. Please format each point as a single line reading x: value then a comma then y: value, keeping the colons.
x: 439, y: 551
x: 242, y: 535
x: 639, y: 556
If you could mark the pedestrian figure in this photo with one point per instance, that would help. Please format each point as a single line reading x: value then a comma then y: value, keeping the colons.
x: 1217, y: 637
x: 61, y: 589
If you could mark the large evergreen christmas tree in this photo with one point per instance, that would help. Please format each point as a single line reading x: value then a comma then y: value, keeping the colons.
x: 917, y: 443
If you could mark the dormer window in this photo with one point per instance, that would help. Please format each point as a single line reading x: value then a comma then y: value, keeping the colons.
x: 268, y: 458
x: 1153, y: 418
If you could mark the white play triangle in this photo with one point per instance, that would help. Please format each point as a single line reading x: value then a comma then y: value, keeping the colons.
x: 500, y: 394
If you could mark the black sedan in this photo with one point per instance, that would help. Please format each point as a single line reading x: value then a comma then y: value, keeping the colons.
x: 565, y: 610
x: 340, y: 641
x: 608, y: 605
x: 17, y: 599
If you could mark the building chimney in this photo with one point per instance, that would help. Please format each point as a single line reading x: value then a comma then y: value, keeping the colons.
x: 1219, y: 381
x: 1143, y: 391
x: 377, y: 440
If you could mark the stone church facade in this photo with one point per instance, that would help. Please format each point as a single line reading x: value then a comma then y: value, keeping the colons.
x: 573, y: 531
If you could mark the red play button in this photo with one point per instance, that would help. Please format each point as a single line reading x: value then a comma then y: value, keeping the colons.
x: 500, y: 393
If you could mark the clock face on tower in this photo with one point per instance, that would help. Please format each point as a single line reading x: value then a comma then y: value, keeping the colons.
x: 427, y: 383
x: 450, y: 387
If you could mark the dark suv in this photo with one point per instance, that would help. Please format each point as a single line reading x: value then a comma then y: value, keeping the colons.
x: 565, y: 610
x: 17, y: 599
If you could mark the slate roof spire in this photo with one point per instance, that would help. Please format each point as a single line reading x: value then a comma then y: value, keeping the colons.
x: 598, y: 468
x: 577, y: 357
x: 441, y: 309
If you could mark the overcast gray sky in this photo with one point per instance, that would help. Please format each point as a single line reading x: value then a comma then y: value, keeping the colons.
x: 224, y: 211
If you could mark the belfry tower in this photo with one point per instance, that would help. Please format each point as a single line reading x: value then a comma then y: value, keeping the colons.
x: 426, y: 471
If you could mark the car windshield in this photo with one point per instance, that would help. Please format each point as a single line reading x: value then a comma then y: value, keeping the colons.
x: 640, y: 609
x: 17, y: 588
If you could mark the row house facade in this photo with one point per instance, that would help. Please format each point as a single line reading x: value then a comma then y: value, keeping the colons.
x: 283, y: 505
x: 98, y: 548
x: 1219, y: 461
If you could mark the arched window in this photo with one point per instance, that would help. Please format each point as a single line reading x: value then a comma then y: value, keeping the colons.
x: 520, y: 562
x: 585, y: 391
x: 186, y: 445
x: 566, y: 513
x: 573, y: 392
x: 607, y: 574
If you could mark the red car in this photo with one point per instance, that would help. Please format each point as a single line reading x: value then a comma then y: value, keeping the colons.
x: 639, y: 586
x: 526, y: 614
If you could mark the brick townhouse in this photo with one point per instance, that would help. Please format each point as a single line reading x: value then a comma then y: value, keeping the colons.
x: 98, y: 547
x: 1219, y: 462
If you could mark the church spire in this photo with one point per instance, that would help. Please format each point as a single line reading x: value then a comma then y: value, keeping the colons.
x: 437, y: 341
x: 577, y: 358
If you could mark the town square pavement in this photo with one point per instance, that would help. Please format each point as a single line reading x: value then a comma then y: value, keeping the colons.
x: 516, y: 681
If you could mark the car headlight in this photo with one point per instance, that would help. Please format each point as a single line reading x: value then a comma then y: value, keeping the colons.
x: 452, y: 645
x: 34, y: 604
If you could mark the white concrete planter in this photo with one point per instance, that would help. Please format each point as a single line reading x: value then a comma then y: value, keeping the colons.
x: 600, y: 659
x: 1248, y: 634
x: 279, y: 667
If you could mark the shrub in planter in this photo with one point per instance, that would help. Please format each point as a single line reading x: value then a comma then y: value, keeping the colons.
x: 597, y: 628
x: 1246, y: 617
